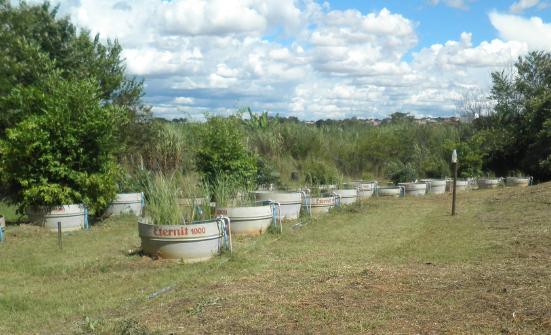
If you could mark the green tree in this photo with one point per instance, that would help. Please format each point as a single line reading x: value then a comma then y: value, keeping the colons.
x: 34, y: 41
x: 223, y: 151
x: 66, y: 153
x: 521, y: 118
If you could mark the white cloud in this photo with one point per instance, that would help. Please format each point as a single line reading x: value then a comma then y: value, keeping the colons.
x: 459, y: 4
x: 521, y: 5
x: 454, y: 54
x: 533, y: 31
x: 290, y: 57
x: 183, y: 100
x: 351, y: 43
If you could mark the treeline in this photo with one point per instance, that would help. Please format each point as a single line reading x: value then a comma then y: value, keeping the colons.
x: 287, y: 152
x: 73, y: 128
x: 513, y: 138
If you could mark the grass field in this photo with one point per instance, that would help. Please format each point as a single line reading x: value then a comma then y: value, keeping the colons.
x: 393, y: 266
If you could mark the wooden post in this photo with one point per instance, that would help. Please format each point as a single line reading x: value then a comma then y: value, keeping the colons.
x: 59, y: 238
x: 454, y: 187
x: 454, y: 162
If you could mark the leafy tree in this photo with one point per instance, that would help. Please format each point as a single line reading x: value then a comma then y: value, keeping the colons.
x: 66, y: 153
x: 34, y: 41
x: 399, y: 172
x: 470, y: 155
x: 58, y: 131
x: 222, y: 151
x: 521, y: 118
x: 399, y: 117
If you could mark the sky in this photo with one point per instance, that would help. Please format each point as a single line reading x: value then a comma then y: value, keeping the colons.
x: 316, y: 60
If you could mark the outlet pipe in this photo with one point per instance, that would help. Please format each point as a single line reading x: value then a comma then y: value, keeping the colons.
x: 402, y: 191
x: 337, y: 199
x: 307, y: 201
x: 86, y: 224
x: 226, y: 232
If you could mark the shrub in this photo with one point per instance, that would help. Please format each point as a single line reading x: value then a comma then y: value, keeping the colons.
x: 318, y: 172
x: 222, y: 151
x: 64, y: 151
x: 401, y: 173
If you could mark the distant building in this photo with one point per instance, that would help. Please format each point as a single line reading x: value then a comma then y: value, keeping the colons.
x: 373, y: 122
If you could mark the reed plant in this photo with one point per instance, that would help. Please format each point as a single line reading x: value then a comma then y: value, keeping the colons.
x: 194, y: 197
x: 228, y: 193
x: 340, y: 181
x: 162, y: 200
x: 316, y: 191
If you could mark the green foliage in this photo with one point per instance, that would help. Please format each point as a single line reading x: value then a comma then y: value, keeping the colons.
x: 470, y: 155
x: 133, y: 176
x: 224, y: 190
x: 162, y: 194
x: 222, y: 151
x: 168, y: 148
x: 399, y: 172
x: 34, y: 41
x: 285, y: 149
x: 260, y: 121
x: 399, y: 117
x: 266, y: 174
x: 319, y: 172
x: 60, y: 135
x: 62, y: 152
x: 517, y: 134
x: 227, y: 193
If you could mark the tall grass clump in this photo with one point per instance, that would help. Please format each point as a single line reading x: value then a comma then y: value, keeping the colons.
x: 228, y: 193
x: 170, y: 148
x: 162, y: 200
x: 193, y: 197
x: 224, y: 190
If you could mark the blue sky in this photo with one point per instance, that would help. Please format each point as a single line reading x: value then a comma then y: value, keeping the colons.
x: 441, y: 22
x: 316, y: 60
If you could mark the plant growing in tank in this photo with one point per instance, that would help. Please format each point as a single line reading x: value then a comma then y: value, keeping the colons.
x: 164, y: 194
x: 316, y: 191
x: 193, y: 197
x: 339, y: 181
x: 399, y: 172
x: 319, y: 173
x: 516, y: 173
x: 133, y: 177
x: 66, y: 153
x: 162, y: 200
x: 228, y: 193
x: 223, y: 150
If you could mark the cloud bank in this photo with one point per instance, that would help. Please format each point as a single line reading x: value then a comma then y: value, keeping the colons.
x: 298, y: 58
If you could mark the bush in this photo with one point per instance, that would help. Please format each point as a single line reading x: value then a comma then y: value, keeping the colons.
x: 222, y: 151
x: 63, y: 152
x: 265, y: 174
x: 401, y: 173
x: 318, y: 172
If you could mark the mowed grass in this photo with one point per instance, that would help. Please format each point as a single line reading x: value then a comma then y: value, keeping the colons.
x: 392, y: 266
